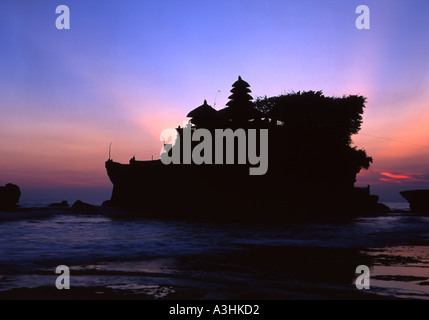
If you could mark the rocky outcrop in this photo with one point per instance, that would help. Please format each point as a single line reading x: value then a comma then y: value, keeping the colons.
x: 84, y: 208
x: 9, y: 196
x: 62, y: 204
x: 418, y: 200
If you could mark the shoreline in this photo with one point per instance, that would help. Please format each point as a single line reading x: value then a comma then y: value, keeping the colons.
x: 86, y: 209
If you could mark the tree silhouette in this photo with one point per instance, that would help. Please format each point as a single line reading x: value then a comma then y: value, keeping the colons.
x: 316, y: 130
x: 313, y: 116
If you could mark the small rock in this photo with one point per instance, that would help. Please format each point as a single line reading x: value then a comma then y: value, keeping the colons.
x: 84, y: 208
x: 62, y: 204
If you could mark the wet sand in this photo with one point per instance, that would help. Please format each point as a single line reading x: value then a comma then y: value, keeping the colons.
x: 249, y: 273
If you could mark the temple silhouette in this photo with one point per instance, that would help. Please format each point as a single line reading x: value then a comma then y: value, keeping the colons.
x: 312, y: 166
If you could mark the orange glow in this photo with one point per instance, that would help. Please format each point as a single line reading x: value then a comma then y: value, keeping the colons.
x: 396, y: 176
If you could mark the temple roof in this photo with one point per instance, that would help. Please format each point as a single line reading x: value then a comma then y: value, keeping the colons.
x: 202, y: 111
x: 243, y: 97
x: 240, y: 89
x: 240, y: 83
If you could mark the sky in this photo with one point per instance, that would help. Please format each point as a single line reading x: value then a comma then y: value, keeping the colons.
x: 126, y: 70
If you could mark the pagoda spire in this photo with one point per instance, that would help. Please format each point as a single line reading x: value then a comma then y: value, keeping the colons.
x: 240, y: 108
x: 240, y: 97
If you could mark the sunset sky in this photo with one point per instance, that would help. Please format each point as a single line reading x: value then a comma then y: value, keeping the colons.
x: 126, y: 70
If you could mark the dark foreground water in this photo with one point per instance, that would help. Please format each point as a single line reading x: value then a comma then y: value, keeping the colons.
x: 116, y: 256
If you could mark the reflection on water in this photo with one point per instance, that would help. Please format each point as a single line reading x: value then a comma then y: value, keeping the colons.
x: 401, y: 271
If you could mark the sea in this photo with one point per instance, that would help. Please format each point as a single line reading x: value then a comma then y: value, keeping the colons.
x: 115, y: 255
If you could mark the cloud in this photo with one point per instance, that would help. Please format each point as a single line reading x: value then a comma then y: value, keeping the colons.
x: 395, y: 176
x: 401, y: 177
